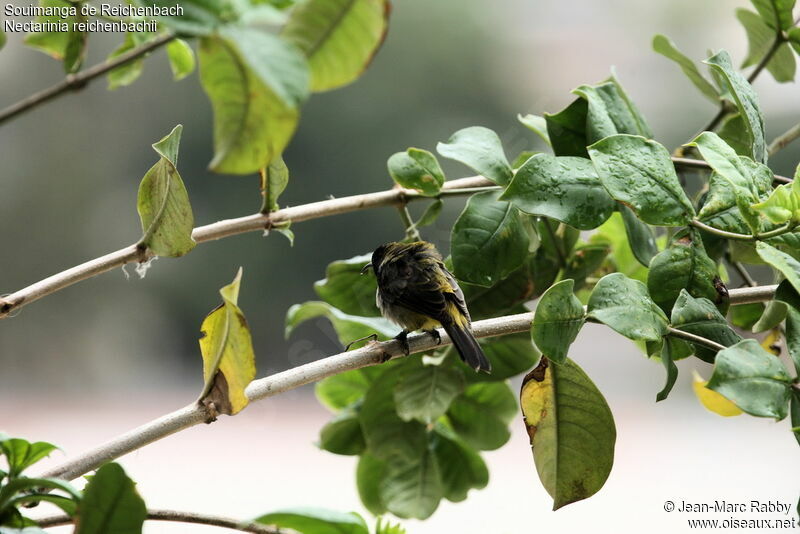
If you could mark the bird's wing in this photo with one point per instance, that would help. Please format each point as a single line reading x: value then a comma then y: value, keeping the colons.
x: 457, y: 296
x: 417, y: 290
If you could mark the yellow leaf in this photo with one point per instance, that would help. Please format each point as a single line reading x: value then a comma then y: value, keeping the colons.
x: 228, y: 357
x: 712, y: 400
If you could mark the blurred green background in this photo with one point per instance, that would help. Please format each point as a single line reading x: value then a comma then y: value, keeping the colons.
x: 70, y: 171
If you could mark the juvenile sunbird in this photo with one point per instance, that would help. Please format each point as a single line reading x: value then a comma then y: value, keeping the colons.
x: 416, y: 291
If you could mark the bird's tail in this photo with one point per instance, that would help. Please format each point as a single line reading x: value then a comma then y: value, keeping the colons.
x: 468, y: 347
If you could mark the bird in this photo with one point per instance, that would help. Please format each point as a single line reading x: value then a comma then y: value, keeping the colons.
x: 416, y: 291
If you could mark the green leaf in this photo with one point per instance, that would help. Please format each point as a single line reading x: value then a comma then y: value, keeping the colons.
x: 339, y: 37
x: 641, y: 239
x: 251, y: 124
x: 584, y: 261
x: 558, y: 319
x: 277, y: 64
x: 2, y: 38
x: 342, y: 434
x: 610, y: 112
x: 760, y: 38
x: 417, y: 169
x: 488, y: 240
x: 773, y: 315
x: 753, y: 379
x: 480, y: 149
x: 794, y: 39
x: 664, y: 46
x: 316, y: 521
x: 746, y: 315
x: 163, y: 203
x: 639, y: 173
x: 783, y: 204
x: 229, y: 363
x: 624, y: 305
x: 671, y: 351
x: 563, y: 188
x: 128, y: 73
x: 66, y: 44
x: 746, y: 102
x: 110, y: 504
x: 567, y: 129
x: 786, y: 264
x: 683, y: 265
x: 482, y: 413
x: 181, y: 59
x: 425, y: 392
x: 699, y: 316
x: 199, y: 17
x: 571, y: 431
x: 776, y: 11
x: 430, y: 214
x: 536, y: 124
x: 412, y: 486
x: 21, y: 454
x: 383, y: 526
x: 274, y: 179
x: 389, y: 437
x: 460, y: 466
x: 348, y: 327
x: 340, y: 391
x: 344, y: 287
x: 795, y: 414
x: 787, y: 294
x: 369, y: 474
x: 613, y: 233
x: 734, y: 132
x: 510, y: 355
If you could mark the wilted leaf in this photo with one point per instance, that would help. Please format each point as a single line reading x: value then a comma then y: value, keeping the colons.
x: 711, y: 400
x: 228, y: 357
x: 571, y: 430
x: 163, y: 203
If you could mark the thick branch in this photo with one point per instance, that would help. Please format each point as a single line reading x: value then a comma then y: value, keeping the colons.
x: 218, y: 230
x: 74, y: 82
x: 180, y: 517
x: 371, y: 354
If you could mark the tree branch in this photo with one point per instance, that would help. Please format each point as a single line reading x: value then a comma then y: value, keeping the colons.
x: 221, y: 229
x: 691, y: 163
x: 374, y: 353
x: 743, y: 237
x: 780, y: 142
x: 697, y: 340
x: 180, y: 517
x: 74, y: 82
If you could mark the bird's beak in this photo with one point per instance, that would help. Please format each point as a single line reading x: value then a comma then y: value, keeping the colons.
x: 366, y: 268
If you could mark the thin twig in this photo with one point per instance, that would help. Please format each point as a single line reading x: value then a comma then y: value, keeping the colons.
x: 783, y: 140
x: 408, y: 222
x: 219, y: 230
x: 81, y: 79
x: 702, y: 164
x: 180, y: 517
x: 742, y: 271
x: 372, y: 354
x: 743, y: 237
x: 697, y: 340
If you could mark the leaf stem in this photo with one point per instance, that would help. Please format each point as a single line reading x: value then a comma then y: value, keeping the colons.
x: 74, y: 82
x: 742, y: 271
x: 788, y: 227
x: 783, y: 140
x: 180, y: 517
x: 405, y: 216
x: 692, y: 163
x: 562, y: 257
x: 697, y: 340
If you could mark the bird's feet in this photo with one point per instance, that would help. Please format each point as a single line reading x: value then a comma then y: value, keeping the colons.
x: 402, y: 337
x: 371, y: 337
x: 435, y: 334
